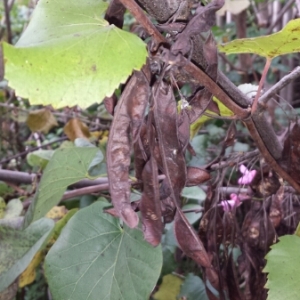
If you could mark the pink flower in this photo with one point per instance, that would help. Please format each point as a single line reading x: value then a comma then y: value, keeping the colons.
x: 229, y: 205
x: 247, y: 175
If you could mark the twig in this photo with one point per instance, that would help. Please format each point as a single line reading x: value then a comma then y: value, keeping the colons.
x: 85, y: 190
x: 31, y: 150
x: 282, y: 12
x: 260, y: 130
x: 261, y: 83
x: 17, y: 177
x: 278, y: 86
x: 29, y: 178
x: 138, y: 13
x: 239, y: 159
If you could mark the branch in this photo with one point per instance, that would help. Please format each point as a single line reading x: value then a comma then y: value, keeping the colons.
x: 138, y: 13
x: 17, y: 177
x: 279, y: 85
x: 6, y: 160
x: 282, y: 12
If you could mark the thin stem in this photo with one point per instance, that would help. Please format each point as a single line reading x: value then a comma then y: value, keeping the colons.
x: 261, y: 83
x: 6, y: 160
x: 282, y: 12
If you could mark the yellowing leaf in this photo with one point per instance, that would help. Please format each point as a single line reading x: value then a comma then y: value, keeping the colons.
x: 197, y: 125
x: 41, y: 120
x: 76, y: 129
x: 233, y: 6
x: 28, y: 276
x: 285, y: 41
x: 169, y: 289
x: 57, y: 212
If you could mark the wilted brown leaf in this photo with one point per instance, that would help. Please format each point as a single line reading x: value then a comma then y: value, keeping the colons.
x: 76, y: 129
x: 41, y: 120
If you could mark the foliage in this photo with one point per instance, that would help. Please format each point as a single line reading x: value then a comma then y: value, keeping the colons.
x: 109, y: 251
x: 282, y: 263
x: 84, y: 58
x: 279, y: 43
x: 183, y: 194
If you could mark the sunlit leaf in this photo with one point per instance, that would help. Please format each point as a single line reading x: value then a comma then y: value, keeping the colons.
x: 283, y: 268
x: 69, y: 55
x: 28, y: 276
x: 67, y: 166
x: 94, y: 258
x: 57, y: 212
x: 169, y: 289
x: 197, y: 125
x: 279, y: 43
x: 18, y: 248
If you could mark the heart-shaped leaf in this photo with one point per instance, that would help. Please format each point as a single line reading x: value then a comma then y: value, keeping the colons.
x: 69, y: 55
x: 270, y: 46
x: 94, y: 258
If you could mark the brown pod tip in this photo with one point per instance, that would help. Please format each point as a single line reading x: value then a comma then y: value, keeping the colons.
x: 130, y: 217
x: 196, y: 176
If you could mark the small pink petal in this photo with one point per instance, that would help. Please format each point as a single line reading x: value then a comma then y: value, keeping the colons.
x: 229, y: 205
x: 247, y: 177
x: 243, y: 169
x: 236, y: 198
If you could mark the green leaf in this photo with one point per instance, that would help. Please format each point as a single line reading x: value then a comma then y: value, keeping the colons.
x: 192, y: 217
x: 69, y: 55
x: 5, y: 189
x: 94, y: 258
x: 67, y: 166
x: 282, y: 42
x: 13, y: 209
x: 194, y: 192
x: 39, y: 158
x: 193, y: 288
x: 19, y: 247
x: 95, y: 168
x: 2, y: 207
x: 169, y: 245
x: 283, y: 266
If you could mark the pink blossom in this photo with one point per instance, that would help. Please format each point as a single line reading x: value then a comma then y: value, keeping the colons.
x: 229, y: 205
x: 247, y: 175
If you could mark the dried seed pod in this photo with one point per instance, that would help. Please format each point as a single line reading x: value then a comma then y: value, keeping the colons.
x: 118, y: 157
x: 196, y: 176
x: 150, y: 204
